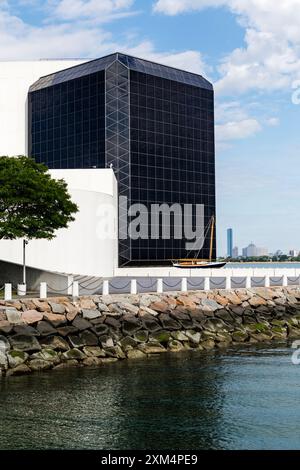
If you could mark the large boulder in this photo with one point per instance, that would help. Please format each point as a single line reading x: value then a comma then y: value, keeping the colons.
x: 41, y: 306
x: 13, y: 315
x: 94, y: 351
x: 161, y: 336
x: 15, y: 358
x: 4, y: 344
x: 55, y: 319
x: 150, y: 323
x: 18, y: 370
x: 151, y: 348
x: 128, y: 342
x: 24, y: 329
x: 160, y: 306
x: 256, y: 301
x: 57, y: 307
x: 24, y: 343
x: 231, y: 296
x: 133, y: 309
x: 175, y: 346
x: 45, y: 329
x: 135, y: 354
x: 81, y: 323
x: 73, y: 354
x: 90, y: 314
x: 88, y: 338
x: 131, y: 324
x: 168, y: 323
x: 193, y: 336
x: 75, y: 341
x: 31, y: 316
x: 115, y: 351
x: 39, y: 364
x: 47, y: 355
x: 209, y: 305
x: 100, y: 329
x: 144, y: 311
x: 186, y: 302
x: 5, y: 327
x: 113, y: 322
x: 55, y: 342
x: 240, y: 336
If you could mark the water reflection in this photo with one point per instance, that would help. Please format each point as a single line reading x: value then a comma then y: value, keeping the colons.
x: 239, y: 399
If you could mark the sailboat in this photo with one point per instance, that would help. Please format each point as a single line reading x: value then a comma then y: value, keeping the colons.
x: 190, y: 263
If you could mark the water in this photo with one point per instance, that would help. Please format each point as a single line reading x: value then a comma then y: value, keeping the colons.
x: 242, y: 399
x: 291, y: 265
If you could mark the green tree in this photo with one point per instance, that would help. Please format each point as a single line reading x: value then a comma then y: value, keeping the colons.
x: 32, y: 204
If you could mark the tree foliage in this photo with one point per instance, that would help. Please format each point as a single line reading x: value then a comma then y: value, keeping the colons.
x: 32, y: 204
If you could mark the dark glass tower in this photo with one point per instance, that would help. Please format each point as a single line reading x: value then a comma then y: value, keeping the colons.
x: 152, y: 123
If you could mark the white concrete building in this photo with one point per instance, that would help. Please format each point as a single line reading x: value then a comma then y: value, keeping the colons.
x: 80, y: 248
x: 89, y: 245
x: 15, y: 80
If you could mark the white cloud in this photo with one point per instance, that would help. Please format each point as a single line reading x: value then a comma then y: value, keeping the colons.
x: 235, y: 130
x: 186, y: 60
x: 270, y: 59
x: 101, y: 11
x: 77, y: 38
x: 174, y: 7
x: 273, y: 122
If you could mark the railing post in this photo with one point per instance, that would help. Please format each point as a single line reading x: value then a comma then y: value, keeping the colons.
x: 228, y: 282
x: 133, y: 286
x: 70, y: 284
x: 206, y: 283
x: 267, y: 280
x: 248, y: 282
x: 284, y: 280
x: 160, y: 287
x: 75, y: 289
x: 21, y: 289
x: 7, y: 292
x: 105, y: 287
x: 43, y: 290
x: 184, y: 284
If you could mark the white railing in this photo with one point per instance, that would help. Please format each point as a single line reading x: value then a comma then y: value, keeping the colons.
x: 210, y: 279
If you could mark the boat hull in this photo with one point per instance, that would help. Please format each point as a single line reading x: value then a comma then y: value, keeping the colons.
x: 200, y: 266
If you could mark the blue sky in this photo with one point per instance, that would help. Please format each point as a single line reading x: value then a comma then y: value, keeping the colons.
x: 248, y: 48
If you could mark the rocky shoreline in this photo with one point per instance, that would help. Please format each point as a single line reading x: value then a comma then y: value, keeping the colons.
x: 57, y: 333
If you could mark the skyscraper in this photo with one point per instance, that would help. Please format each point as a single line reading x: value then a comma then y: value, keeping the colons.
x: 235, y: 252
x: 229, y: 242
x: 153, y: 124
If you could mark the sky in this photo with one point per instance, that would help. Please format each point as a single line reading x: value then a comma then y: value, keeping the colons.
x: 249, y: 49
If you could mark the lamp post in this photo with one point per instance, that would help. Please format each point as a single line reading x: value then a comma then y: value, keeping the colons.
x: 22, y: 287
x: 25, y: 242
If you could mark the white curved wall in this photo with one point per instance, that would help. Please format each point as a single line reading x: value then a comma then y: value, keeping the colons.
x: 89, y: 245
x: 15, y: 80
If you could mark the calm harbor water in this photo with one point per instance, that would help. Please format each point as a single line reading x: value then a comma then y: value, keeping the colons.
x: 292, y: 265
x: 239, y: 399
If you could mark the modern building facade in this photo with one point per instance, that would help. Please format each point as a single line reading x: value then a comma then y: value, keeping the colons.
x: 229, y: 242
x: 152, y: 124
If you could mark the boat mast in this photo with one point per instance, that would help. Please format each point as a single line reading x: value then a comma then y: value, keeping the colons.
x: 211, y: 237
